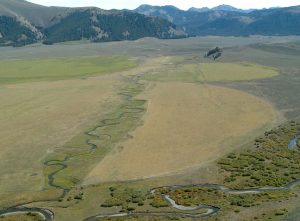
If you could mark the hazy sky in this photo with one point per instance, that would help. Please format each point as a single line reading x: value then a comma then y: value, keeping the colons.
x: 183, y: 4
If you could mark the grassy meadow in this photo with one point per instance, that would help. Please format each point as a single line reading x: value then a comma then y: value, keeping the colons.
x: 37, y: 118
x: 23, y: 217
x: 20, y: 71
x: 202, y: 119
x: 79, y: 118
x: 42, y: 119
x: 180, y: 70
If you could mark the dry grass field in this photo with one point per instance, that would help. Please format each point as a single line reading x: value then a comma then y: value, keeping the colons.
x: 30, y: 70
x: 22, y: 217
x: 36, y: 118
x: 235, y: 72
x: 154, y: 109
x: 186, y: 125
x: 180, y: 69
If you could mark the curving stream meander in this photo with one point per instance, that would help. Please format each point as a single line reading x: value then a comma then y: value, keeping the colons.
x: 184, y: 211
x: 210, y: 210
x: 46, y: 214
x: 61, y: 165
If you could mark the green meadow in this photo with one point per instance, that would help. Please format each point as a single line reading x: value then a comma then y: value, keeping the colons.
x: 21, y: 71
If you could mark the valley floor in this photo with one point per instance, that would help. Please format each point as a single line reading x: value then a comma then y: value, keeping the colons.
x: 162, y: 115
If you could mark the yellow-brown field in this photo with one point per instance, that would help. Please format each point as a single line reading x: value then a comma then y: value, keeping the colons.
x: 179, y: 70
x: 22, y: 217
x: 92, y: 135
x: 38, y: 117
x: 186, y: 125
x: 235, y: 72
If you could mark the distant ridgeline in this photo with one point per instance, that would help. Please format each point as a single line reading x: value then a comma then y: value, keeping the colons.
x: 24, y: 23
x: 225, y: 20
x: 110, y: 26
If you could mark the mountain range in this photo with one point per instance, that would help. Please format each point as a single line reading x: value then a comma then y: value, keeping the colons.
x: 22, y: 23
x: 225, y: 20
x: 221, y: 8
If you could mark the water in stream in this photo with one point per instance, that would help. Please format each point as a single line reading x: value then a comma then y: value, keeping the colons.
x: 293, y: 143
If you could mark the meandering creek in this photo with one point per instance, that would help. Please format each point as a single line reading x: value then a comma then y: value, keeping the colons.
x: 293, y: 142
x: 183, y: 210
x: 48, y: 215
